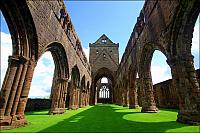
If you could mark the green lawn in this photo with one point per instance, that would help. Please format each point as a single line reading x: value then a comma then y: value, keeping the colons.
x: 105, y: 118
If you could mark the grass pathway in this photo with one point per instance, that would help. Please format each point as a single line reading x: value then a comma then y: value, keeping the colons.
x: 105, y: 118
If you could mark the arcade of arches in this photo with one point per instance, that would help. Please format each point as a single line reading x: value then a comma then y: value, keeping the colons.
x: 166, y: 26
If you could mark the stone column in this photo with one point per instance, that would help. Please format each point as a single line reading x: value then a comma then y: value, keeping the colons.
x: 126, y: 95
x: 11, y: 88
x: 60, y: 97
x: 123, y: 98
x: 77, y: 98
x: 24, y: 93
x: 117, y: 97
x: 133, y: 98
x: 18, y: 80
x: 92, y: 94
x: 95, y: 96
x: 72, y: 101
x: 184, y: 77
x: 148, y: 103
x: 20, y: 86
x: 88, y: 98
x: 55, y: 96
x: 13, y: 63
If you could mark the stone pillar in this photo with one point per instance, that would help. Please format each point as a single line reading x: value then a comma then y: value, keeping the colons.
x: 184, y: 77
x: 133, y: 103
x: 148, y: 103
x: 117, y: 96
x: 8, y: 82
x: 88, y: 98
x: 24, y: 93
x: 77, y: 98
x: 126, y: 97
x: 92, y: 94
x: 20, y: 86
x: 80, y: 99
x: 72, y: 98
x: 123, y: 98
x: 55, y: 96
x: 95, y: 96
x: 84, y: 97
x: 58, y: 96
x: 11, y: 89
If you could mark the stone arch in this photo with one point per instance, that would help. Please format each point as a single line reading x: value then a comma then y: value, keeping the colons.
x: 145, y: 78
x: 82, y: 92
x: 182, y: 63
x: 75, y: 76
x: 60, y: 59
x: 74, y: 88
x: 60, y: 79
x: 21, y: 64
x: 103, y: 72
x: 21, y: 27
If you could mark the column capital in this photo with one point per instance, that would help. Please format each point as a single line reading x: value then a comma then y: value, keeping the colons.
x: 62, y: 79
x: 17, y: 59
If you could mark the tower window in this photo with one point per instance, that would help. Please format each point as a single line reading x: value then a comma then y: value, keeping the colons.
x: 103, y: 40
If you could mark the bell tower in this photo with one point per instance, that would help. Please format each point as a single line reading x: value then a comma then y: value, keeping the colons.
x: 104, y: 61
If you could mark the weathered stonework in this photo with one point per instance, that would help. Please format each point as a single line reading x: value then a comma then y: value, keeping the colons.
x: 166, y: 94
x: 104, y: 60
x: 37, y: 27
x: 40, y: 26
x: 166, y: 26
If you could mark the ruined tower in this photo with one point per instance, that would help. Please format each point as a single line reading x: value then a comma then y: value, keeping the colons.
x: 104, y: 61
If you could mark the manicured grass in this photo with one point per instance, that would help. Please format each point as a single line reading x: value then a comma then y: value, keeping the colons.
x: 105, y: 118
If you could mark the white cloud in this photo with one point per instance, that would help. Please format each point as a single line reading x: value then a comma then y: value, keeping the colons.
x: 42, y: 77
x: 86, y: 51
x: 195, y: 39
x: 43, y: 74
x: 195, y: 46
x: 160, y: 70
x: 45, y: 65
x: 6, y: 50
x: 160, y: 73
x: 38, y: 92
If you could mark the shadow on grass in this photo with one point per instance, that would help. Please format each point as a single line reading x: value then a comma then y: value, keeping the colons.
x: 171, y: 110
x: 41, y: 112
x: 109, y: 119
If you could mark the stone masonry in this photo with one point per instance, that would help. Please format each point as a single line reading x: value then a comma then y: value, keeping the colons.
x: 40, y: 26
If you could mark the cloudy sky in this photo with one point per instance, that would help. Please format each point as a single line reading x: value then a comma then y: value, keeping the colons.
x: 91, y: 20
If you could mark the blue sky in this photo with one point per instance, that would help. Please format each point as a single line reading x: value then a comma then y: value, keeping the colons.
x: 116, y: 19
x: 91, y: 19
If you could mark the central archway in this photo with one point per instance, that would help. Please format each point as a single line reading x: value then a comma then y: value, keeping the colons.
x: 103, y: 92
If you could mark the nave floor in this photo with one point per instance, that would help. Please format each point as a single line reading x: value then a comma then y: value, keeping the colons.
x: 104, y: 118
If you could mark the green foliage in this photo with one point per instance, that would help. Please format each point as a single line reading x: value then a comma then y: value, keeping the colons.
x: 105, y: 118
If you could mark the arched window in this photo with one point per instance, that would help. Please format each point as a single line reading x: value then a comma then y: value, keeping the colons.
x: 104, y: 92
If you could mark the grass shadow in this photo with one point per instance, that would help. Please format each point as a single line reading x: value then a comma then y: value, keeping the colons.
x: 112, y: 118
x: 40, y: 112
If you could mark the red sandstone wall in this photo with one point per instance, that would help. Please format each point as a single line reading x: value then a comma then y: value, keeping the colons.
x: 165, y: 93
